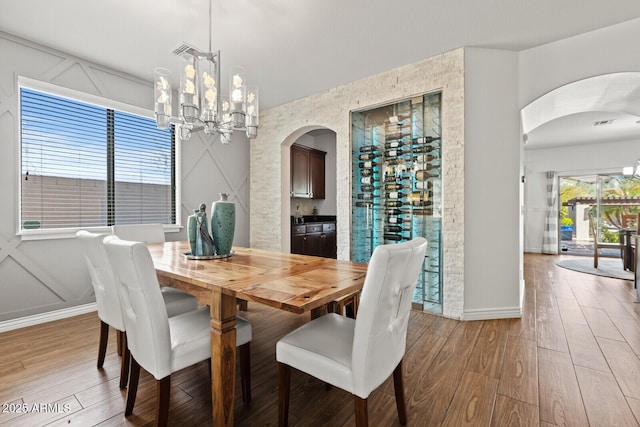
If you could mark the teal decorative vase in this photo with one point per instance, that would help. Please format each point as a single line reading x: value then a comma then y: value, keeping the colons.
x: 204, y: 242
x: 223, y: 224
x: 192, y: 229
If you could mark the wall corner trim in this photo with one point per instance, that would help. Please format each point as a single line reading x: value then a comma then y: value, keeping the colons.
x: 50, y: 316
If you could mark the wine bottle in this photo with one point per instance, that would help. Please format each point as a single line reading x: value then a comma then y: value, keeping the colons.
x: 365, y: 196
x: 423, y: 175
x: 367, y: 188
x: 424, y: 149
x: 394, y: 237
x: 367, y: 164
x: 422, y: 203
x: 395, y: 152
x: 394, y: 229
x: 426, y: 140
x: 393, y: 203
x: 394, y: 178
x: 367, y: 156
x: 364, y: 204
x: 425, y: 185
x: 398, y: 118
x: 393, y: 212
x: 425, y: 158
x: 366, y: 180
x: 366, y: 172
x: 394, y: 161
x: 394, y: 219
x: 394, y: 186
x: 395, y: 195
x: 368, y: 148
x: 393, y: 144
x: 396, y: 136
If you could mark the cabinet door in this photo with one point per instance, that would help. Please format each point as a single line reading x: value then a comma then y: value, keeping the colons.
x: 298, y: 244
x: 300, y: 182
x: 316, y: 174
x: 314, y: 244
x: 329, y: 249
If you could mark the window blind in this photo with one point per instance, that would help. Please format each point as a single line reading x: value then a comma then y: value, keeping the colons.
x: 87, y: 166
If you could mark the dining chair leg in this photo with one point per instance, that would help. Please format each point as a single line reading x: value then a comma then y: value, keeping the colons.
x: 124, y: 363
x: 119, y: 342
x: 163, y: 391
x: 134, y: 376
x: 399, y: 390
x: 284, y: 374
x: 362, y: 413
x: 102, y: 346
x: 245, y: 371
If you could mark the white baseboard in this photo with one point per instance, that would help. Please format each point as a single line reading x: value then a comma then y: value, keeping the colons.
x: 492, y: 313
x: 36, y: 319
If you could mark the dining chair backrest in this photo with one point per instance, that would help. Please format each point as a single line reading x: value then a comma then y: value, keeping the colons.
x: 145, y: 233
x: 381, y: 324
x: 143, y: 308
x: 102, y: 278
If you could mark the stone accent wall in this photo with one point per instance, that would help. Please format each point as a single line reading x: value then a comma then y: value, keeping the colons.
x: 282, y: 125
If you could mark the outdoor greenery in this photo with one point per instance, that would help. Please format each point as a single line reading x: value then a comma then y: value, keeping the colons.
x: 613, y: 216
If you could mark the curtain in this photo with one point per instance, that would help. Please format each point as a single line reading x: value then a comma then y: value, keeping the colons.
x: 550, y: 236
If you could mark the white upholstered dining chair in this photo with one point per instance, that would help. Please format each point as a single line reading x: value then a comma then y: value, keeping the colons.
x: 108, y: 299
x: 145, y: 233
x: 158, y: 343
x: 359, y: 355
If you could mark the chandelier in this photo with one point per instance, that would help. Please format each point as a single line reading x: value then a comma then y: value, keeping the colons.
x: 202, y: 107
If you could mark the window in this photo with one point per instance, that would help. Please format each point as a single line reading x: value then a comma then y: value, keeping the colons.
x: 89, y: 165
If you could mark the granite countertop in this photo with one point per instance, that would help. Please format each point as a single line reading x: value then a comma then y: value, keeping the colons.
x: 315, y: 219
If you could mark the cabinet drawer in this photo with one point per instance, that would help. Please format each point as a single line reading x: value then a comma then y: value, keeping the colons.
x: 328, y: 227
x: 298, y: 229
x: 314, y: 228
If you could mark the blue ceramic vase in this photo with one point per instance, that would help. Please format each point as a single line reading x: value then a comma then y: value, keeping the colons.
x: 204, y: 242
x: 223, y: 224
x: 192, y: 229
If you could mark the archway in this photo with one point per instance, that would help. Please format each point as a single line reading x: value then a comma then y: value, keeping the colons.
x: 590, y: 126
x: 319, y: 137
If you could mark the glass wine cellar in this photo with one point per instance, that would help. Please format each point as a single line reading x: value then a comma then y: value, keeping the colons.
x: 396, y: 185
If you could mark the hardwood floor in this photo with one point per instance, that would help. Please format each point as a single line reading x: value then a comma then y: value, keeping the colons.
x: 571, y: 360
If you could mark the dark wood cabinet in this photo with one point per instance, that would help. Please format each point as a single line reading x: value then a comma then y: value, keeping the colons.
x: 314, y: 239
x: 307, y: 172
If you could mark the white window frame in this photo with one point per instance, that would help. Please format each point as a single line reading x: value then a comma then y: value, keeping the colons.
x: 66, y: 233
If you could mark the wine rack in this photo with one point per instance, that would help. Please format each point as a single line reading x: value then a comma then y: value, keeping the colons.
x: 396, y: 185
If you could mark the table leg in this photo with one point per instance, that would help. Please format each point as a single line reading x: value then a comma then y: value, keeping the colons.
x: 223, y: 357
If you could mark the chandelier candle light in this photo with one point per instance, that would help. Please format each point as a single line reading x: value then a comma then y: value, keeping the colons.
x: 202, y: 106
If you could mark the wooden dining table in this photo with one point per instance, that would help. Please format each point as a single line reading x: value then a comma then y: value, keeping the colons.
x: 295, y: 283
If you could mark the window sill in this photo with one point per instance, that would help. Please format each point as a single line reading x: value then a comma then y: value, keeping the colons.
x: 70, y: 233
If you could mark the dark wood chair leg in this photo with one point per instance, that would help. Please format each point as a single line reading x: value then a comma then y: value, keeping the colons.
x: 163, y: 388
x: 124, y: 363
x: 284, y: 374
x: 399, y: 389
x: 134, y: 376
x: 245, y: 371
x: 119, y: 342
x: 362, y: 413
x: 102, y: 346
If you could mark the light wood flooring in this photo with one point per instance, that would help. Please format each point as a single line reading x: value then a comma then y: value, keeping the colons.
x: 571, y: 360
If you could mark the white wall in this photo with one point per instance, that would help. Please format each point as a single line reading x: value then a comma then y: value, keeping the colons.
x: 547, y: 67
x: 491, y: 185
x: 46, y: 275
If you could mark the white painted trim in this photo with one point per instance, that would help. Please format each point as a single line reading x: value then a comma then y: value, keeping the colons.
x: 36, y: 319
x: 492, y: 313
